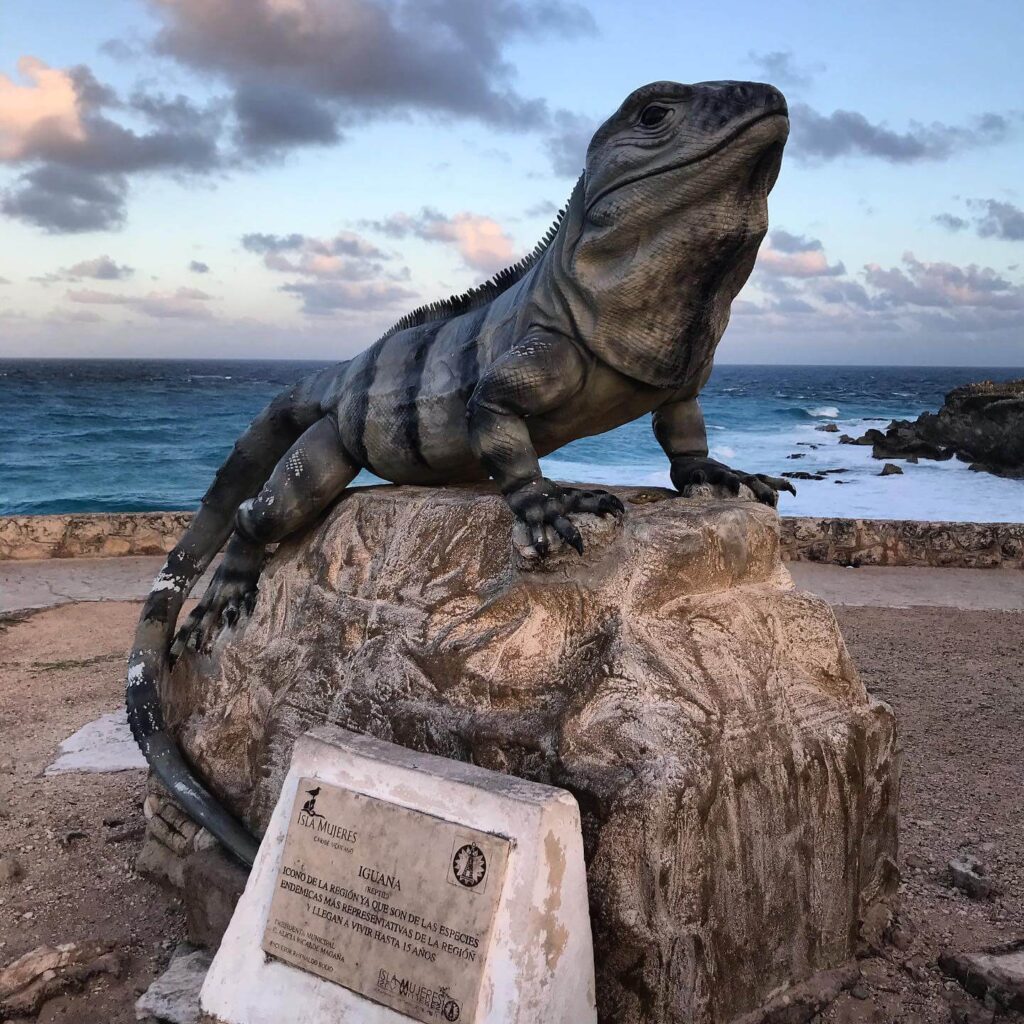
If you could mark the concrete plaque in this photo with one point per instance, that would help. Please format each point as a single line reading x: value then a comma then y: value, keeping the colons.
x: 393, y: 886
x: 393, y: 903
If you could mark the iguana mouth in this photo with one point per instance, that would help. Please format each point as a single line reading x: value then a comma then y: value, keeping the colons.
x: 717, y: 148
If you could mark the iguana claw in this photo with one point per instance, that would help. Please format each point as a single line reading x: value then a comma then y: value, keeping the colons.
x: 690, y: 472
x: 543, y: 507
x: 230, y: 595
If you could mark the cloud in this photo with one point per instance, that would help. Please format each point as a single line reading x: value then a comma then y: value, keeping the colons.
x: 343, y: 273
x: 849, y: 133
x: 992, y: 218
x: 259, y: 242
x: 78, y: 158
x: 999, y: 219
x: 567, y: 141
x: 183, y: 303
x: 943, y: 285
x: 345, y: 256
x: 915, y: 302
x: 780, y: 68
x: 198, y: 267
x: 320, y: 298
x: 361, y: 58
x: 65, y: 200
x: 788, y: 255
x: 274, y: 117
x: 543, y: 208
x: 44, y: 109
x: 102, y: 268
x: 950, y: 221
x: 481, y: 241
x: 297, y: 72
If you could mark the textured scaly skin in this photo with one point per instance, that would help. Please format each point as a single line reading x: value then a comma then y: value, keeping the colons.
x: 617, y: 313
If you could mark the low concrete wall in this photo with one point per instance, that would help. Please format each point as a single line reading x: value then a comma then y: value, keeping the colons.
x: 90, y: 536
x: 839, y: 541
x: 907, y: 542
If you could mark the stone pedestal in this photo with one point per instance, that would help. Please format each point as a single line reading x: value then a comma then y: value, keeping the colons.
x: 738, y: 786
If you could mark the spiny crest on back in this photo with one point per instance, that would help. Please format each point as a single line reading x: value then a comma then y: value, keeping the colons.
x: 474, y: 298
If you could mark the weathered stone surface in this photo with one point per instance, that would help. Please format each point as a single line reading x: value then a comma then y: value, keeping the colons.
x: 173, y: 998
x: 213, y: 885
x: 46, y: 971
x: 738, y: 785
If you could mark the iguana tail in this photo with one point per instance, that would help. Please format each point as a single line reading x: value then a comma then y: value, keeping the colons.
x: 248, y: 467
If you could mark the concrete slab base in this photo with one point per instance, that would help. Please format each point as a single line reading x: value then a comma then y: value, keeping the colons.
x: 105, y: 745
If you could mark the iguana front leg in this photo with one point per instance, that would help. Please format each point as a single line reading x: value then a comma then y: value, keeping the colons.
x: 679, y: 428
x: 534, y: 378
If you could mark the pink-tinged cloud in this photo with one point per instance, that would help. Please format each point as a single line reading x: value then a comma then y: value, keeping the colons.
x: 944, y: 285
x: 184, y: 303
x: 46, y: 107
x: 481, y: 241
x: 808, y: 263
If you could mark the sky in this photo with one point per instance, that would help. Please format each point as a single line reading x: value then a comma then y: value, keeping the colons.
x: 285, y: 178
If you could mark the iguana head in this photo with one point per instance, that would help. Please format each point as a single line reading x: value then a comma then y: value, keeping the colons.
x: 671, y: 145
x: 663, y: 228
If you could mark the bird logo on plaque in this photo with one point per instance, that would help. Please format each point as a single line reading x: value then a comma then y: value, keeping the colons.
x: 469, y: 865
x: 309, y: 807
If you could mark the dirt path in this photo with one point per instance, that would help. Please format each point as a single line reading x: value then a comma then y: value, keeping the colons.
x: 956, y: 682
x: 955, y: 679
x: 59, y: 670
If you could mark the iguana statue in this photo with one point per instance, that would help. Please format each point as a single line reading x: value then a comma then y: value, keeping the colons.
x: 616, y: 313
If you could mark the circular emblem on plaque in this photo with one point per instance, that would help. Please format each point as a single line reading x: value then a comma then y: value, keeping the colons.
x: 450, y: 1010
x: 469, y: 867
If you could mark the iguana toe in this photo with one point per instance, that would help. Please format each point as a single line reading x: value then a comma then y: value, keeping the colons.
x: 543, y: 508
x: 690, y: 473
x: 230, y: 597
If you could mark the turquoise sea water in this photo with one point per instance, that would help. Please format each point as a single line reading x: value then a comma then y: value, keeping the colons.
x: 126, y: 435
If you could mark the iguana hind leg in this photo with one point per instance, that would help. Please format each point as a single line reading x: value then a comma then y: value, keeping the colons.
x: 312, y: 473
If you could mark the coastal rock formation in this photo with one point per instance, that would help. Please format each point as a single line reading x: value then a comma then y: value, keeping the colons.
x: 738, y: 786
x: 979, y: 423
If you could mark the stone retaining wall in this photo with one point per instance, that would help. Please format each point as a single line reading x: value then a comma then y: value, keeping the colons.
x: 90, y: 536
x: 906, y: 542
x: 840, y: 541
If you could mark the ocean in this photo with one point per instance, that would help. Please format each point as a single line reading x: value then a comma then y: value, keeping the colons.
x: 140, y: 435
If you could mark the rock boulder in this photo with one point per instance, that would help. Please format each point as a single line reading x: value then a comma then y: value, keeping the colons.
x: 738, y: 786
x: 982, y: 424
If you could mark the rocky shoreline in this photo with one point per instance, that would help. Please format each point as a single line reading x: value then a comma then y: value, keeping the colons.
x: 891, y: 542
x: 982, y: 424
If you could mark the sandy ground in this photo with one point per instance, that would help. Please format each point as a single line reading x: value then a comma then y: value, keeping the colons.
x: 954, y: 677
x: 60, y: 669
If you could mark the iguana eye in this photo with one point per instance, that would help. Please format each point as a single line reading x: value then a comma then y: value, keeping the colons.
x: 653, y: 114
